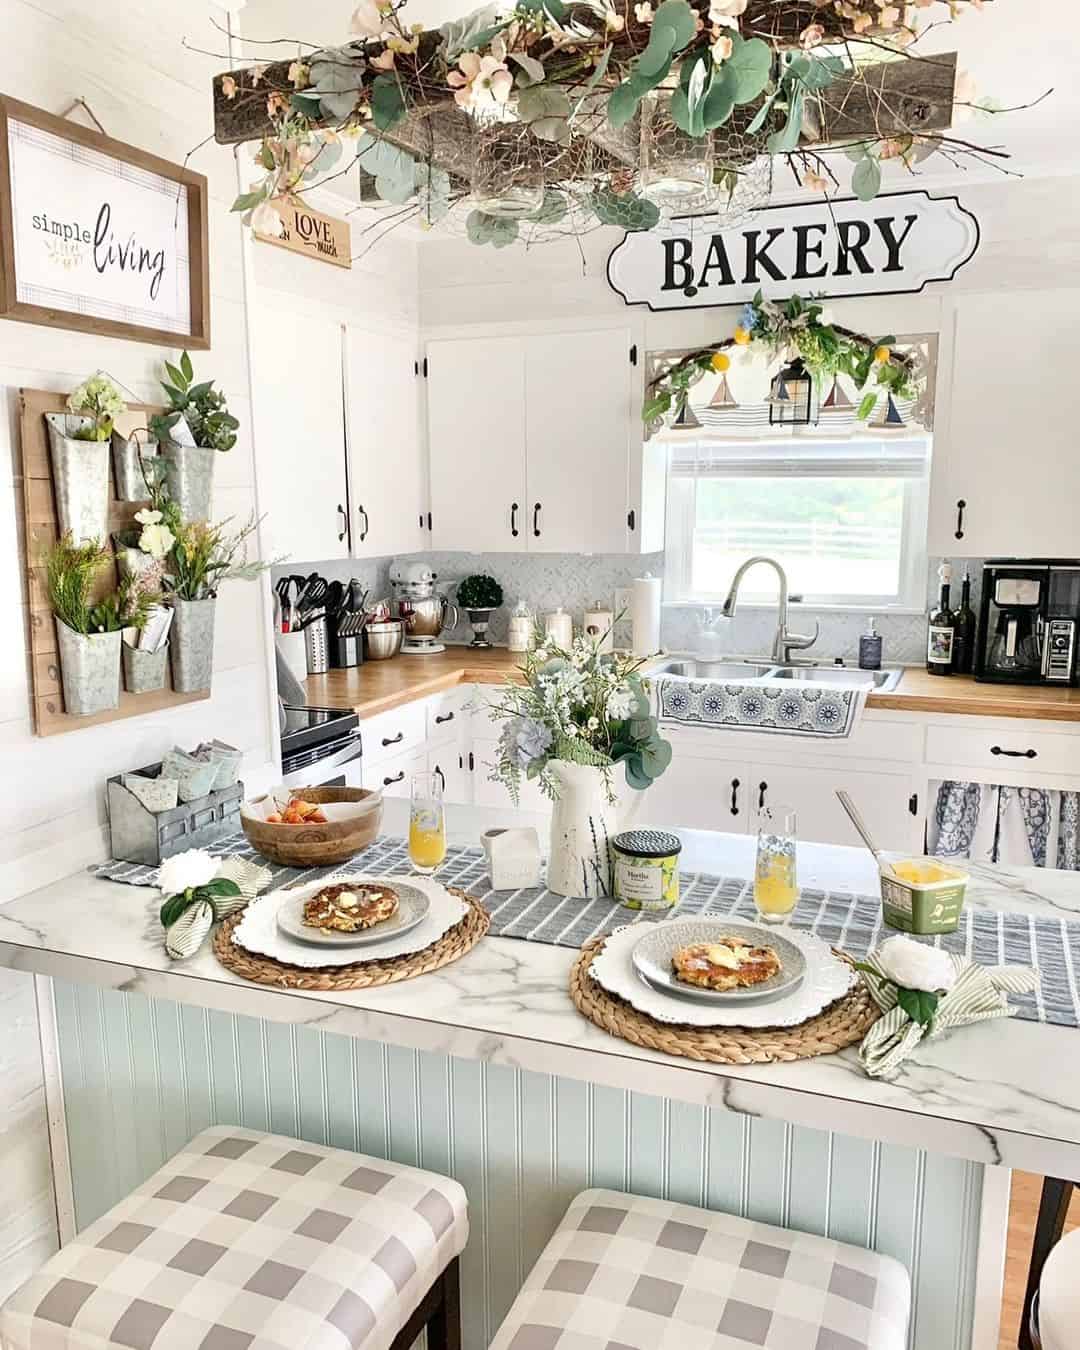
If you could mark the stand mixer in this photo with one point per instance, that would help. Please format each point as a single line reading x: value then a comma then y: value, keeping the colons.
x: 419, y: 605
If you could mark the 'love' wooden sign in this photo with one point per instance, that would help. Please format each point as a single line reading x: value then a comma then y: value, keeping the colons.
x: 897, y: 242
x: 324, y: 238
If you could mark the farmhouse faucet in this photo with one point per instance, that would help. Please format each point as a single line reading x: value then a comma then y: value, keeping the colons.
x: 784, y: 643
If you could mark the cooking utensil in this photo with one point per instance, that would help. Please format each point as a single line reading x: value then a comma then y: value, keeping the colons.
x: 384, y: 639
x: 283, y: 587
x: 316, y: 647
x: 335, y: 598
x: 864, y: 833
x: 413, y: 908
x: 312, y: 592
x: 358, y: 595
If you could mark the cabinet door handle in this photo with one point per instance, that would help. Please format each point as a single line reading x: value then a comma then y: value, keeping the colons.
x: 734, y: 796
x: 536, y: 520
x: 421, y: 520
x: 393, y: 740
x: 444, y: 717
x: 763, y: 787
x: 344, y: 523
x: 472, y: 762
x: 1013, y: 754
x: 364, y: 517
x: 631, y: 518
x: 960, y: 505
x: 913, y: 803
x: 441, y: 777
x: 397, y: 778
x: 513, y: 519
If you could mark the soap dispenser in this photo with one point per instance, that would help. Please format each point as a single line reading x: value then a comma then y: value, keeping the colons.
x: 870, y: 647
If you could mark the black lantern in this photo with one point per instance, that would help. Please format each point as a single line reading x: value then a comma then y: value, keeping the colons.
x: 793, y: 400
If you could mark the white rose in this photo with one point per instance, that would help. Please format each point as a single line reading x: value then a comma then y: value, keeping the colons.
x: 185, y: 871
x: 914, y: 965
x: 156, y: 540
x: 148, y: 517
x: 266, y: 218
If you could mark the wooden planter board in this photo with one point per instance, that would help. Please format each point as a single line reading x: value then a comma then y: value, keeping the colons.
x: 39, y: 530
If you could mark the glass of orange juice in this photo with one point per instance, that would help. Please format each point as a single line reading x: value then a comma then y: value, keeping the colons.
x: 776, y: 887
x: 427, y: 823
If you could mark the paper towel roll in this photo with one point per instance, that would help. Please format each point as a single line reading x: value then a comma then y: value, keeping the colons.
x: 645, y: 615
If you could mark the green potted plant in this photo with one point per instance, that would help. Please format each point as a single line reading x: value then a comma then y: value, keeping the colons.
x: 202, y: 557
x: 79, y: 451
x: 88, y: 644
x: 479, y: 594
x: 196, y: 425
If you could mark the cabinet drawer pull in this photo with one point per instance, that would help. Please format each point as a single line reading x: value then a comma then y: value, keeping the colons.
x: 536, y: 520
x: 513, y: 519
x: 444, y: 717
x: 344, y: 522
x: 734, y: 796
x: 397, y: 778
x: 440, y: 776
x: 364, y: 517
x: 393, y: 740
x: 960, y: 518
x: 763, y: 787
x: 1013, y: 754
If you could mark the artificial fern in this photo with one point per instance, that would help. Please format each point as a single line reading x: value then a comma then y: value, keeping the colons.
x: 70, y: 570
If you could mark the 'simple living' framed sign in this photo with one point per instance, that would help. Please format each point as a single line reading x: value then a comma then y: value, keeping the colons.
x: 98, y: 235
x: 899, y: 242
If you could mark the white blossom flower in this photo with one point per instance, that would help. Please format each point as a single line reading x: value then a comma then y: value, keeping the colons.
x: 722, y: 10
x: 266, y: 218
x: 367, y: 19
x: 721, y: 49
x: 643, y: 12
x: 184, y: 871
x: 621, y: 702
x: 481, y: 81
x: 914, y: 965
x: 148, y: 517
x: 157, y: 540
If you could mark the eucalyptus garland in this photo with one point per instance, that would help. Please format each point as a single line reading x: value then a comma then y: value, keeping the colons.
x: 786, y: 329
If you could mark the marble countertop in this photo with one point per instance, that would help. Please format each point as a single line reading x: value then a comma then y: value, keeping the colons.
x: 1003, y: 1092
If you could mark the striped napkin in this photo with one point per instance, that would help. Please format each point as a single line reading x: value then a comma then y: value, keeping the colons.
x: 188, y: 933
x: 979, y: 994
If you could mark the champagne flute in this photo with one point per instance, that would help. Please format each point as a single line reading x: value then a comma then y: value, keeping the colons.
x: 776, y: 888
x: 427, y: 823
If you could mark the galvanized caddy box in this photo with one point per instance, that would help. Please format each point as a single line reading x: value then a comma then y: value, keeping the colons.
x: 142, y: 836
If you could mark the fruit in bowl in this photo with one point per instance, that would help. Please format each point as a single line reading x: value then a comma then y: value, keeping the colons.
x: 312, y: 827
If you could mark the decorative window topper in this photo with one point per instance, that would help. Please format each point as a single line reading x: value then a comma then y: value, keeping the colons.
x: 898, y: 242
x: 98, y: 235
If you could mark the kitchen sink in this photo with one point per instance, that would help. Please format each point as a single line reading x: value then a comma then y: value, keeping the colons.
x: 835, y: 677
x: 691, y: 669
x: 839, y: 676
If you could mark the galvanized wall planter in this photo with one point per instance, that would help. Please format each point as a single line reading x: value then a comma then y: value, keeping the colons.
x: 89, y: 670
x: 80, y: 474
x: 192, y: 644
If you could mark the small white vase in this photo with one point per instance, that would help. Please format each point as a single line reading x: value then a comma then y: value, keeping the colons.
x: 583, y: 823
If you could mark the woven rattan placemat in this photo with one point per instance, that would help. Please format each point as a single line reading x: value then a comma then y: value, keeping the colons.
x: 842, y: 1024
x: 454, y: 943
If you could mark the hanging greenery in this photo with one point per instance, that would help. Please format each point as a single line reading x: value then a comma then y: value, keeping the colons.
x: 786, y: 329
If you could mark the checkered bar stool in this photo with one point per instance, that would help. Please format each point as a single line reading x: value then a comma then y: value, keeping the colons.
x: 623, y: 1272
x: 249, y: 1241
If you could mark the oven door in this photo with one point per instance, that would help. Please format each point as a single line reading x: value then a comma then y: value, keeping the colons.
x: 316, y: 767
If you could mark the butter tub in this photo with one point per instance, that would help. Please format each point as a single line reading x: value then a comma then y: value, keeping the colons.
x: 923, y: 895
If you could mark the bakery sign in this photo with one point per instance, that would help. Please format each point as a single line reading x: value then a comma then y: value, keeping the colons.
x: 313, y: 234
x: 896, y: 243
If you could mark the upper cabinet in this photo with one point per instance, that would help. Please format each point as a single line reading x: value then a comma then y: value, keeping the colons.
x: 1006, y: 474
x: 531, y: 442
x: 387, y: 478
x: 299, y: 433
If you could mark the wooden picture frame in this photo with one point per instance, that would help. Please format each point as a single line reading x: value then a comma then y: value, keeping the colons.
x: 52, y: 243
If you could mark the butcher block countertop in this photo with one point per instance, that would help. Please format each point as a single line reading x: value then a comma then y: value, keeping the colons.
x: 378, y: 686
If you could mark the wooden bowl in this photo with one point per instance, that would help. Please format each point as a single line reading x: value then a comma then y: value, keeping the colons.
x: 317, y: 845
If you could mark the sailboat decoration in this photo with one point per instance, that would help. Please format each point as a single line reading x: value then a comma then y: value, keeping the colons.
x: 836, y: 401
x: 723, y: 398
x: 887, y: 417
x: 685, y: 419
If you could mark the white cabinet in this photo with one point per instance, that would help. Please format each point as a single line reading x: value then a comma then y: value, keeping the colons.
x: 885, y: 801
x: 387, y: 477
x: 395, y: 775
x: 299, y: 433
x: 476, y: 441
x: 449, y: 763
x: 531, y: 441
x: 578, y: 421
x: 1006, y: 475
x: 699, y: 791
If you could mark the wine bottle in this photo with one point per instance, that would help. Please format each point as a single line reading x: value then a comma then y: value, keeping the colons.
x: 964, y: 639
x: 942, y: 632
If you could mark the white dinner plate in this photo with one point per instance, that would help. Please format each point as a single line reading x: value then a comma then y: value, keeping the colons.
x: 652, y: 959
x: 413, y: 908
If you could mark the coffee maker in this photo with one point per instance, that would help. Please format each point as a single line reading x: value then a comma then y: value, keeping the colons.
x: 1029, y: 621
x: 423, y: 610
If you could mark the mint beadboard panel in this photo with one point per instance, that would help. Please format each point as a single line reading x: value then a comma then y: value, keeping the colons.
x: 141, y: 1076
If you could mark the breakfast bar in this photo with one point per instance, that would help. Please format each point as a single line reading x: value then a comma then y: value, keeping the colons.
x: 485, y: 1069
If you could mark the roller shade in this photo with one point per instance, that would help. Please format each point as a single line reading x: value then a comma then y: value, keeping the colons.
x: 890, y: 457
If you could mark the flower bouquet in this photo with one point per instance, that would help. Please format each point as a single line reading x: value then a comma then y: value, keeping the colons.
x: 569, y: 718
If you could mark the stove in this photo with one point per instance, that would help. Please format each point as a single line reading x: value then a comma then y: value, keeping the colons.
x: 315, y: 740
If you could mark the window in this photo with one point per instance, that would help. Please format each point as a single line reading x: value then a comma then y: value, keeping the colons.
x: 845, y: 519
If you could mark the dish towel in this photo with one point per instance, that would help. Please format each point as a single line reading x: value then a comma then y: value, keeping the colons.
x: 979, y: 994
x: 782, y: 708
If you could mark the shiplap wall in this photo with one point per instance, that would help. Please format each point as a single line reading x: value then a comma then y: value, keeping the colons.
x: 142, y: 1076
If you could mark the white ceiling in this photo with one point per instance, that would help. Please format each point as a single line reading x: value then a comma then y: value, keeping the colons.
x: 1014, y: 49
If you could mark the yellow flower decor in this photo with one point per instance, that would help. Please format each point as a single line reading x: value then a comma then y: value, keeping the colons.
x: 784, y: 328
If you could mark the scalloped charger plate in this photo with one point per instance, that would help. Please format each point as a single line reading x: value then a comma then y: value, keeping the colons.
x: 652, y: 959
x: 413, y: 907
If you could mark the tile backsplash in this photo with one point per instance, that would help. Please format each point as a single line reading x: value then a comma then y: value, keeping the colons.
x: 576, y: 581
